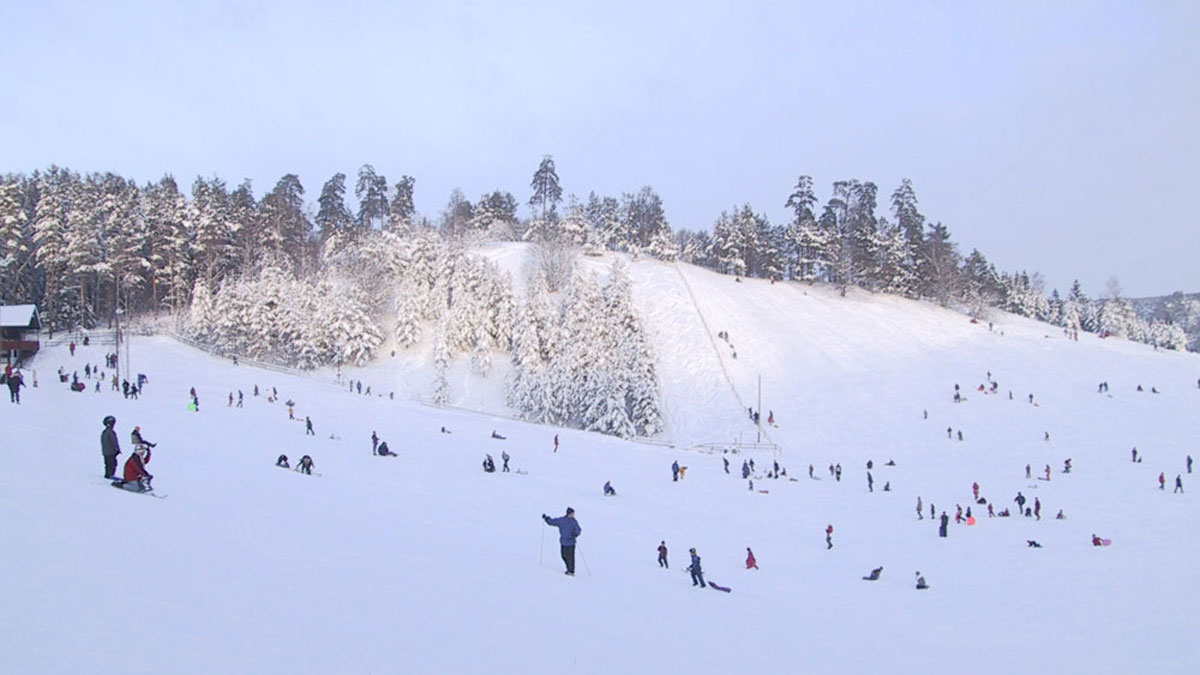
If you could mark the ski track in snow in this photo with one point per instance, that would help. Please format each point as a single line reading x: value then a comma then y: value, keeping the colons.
x: 422, y: 563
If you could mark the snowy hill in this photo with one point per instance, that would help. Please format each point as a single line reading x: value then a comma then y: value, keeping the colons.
x: 422, y: 563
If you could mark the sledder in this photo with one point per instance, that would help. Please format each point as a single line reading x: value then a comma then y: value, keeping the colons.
x: 137, y: 479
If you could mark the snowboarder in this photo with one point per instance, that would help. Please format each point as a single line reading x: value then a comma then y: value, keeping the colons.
x: 375, y: 443
x: 608, y: 489
x: 109, y: 447
x: 751, y: 563
x: 568, y: 531
x: 489, y: 465
x: 504, y: 458
x: 675, y: 471
x: 874, y: 575
x: 305, y: 466
x: 694, y: 568
x: 662, y: 554
x: 384, y: 451
x: 921, y: 585
x: 829, y: 537
x: 282, y: 460
x: 1178, y: 484
x: 136, y: 478
x: 136, y: 438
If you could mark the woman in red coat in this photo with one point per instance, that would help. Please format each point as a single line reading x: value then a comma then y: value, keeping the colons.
x: 137, y: 479
x: 751, y: 563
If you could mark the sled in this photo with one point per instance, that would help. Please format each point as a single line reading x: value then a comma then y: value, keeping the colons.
x: 713, y: 585
x: 971, y: 520
x: 1106, y: 542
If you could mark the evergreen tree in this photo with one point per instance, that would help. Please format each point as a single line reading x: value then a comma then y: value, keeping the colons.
x: 912, y: 224
x: 403, y: 209
x: 546, y: 191
x: 805, y: 244
x: 285, y: 225
x: 333, y: 217
x: 371, y: 190
x: 939, y: 258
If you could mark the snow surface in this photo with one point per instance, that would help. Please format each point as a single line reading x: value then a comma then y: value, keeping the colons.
x: 424, y: 564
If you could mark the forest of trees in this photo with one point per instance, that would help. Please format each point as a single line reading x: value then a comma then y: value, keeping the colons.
x: 305, y: 284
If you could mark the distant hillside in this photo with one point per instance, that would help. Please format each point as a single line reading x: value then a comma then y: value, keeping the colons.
x: 1182, y: 309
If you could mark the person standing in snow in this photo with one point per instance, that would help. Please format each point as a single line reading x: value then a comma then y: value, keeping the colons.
x: 675, y: 471
x: 1162, y: 481
x: 838, y: 472
x: 945, y: 524
x: 975, y: 490
x: 556, y: 442
x: 751, y: 563
x: 1020, y: 500
x: 1037, y: 508
x: 870, y: 482
x: 920, y: 510
x: 726, y: 460
x: 374, y: 443
x: 109, y: 447
x: 1178, y: 484
x: 829, y: 537
x: 15, y: 382
x: 694, y: 568
x: 745, y: 470
x: 504, y: 458
x: 1189, y: 463
x: 662, y: 554
x: 568, y: 531
x: 308, y: 430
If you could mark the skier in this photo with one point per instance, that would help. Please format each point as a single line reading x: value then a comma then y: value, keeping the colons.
x: 921, y: 585
x: 137, y: 479
x: 504, y: 458
x: 109, y: 447
x: 608, y: 489
x: 375, y: 443
x: 874, y: 575
x: 308, y: 430
x: 15, y: 382
x: 675, y: 471
x: 568, y: 531
x: 136, y: 438
x: 662, y: 554
x: 282, y: 460
x: 829, y: 537
x: 1178, y: 484
x: 751, y: 563
x: 384, y: 451
x: 694, y: 568
x: 305, y: 466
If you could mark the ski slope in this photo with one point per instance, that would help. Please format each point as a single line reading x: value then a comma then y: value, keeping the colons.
x: 422, y: 563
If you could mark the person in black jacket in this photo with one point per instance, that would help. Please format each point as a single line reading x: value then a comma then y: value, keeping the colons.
x: 110, y: 447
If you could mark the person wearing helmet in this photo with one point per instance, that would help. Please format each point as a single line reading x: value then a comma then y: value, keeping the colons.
x: 137, y: 479
x: 109, y: 447
x: 137, y: 439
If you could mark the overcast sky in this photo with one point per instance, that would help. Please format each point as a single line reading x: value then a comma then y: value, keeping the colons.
x: 1059, y: 137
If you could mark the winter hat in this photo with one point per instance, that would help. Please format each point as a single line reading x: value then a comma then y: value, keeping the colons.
x: 570, y: 510
x: 110, y: 421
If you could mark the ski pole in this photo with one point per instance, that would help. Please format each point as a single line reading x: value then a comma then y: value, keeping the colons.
x: 584, y: 559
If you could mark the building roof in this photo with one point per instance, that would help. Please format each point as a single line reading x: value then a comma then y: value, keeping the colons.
x: 19, y: 316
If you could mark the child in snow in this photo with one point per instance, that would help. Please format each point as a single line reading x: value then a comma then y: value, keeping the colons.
x: 306, y: 465
x: 137, y: 479
x: 282, y: 461
x: 829, y: 537
x: 608, y: 489
x: 694, y: 568
x: 662, y: 554
x: 489, y: 465
x: 751, y: 563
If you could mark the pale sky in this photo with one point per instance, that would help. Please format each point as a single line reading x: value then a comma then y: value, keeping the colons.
x: 1059, y: 137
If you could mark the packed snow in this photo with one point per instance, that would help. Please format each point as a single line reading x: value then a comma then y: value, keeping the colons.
x: 423, y: 563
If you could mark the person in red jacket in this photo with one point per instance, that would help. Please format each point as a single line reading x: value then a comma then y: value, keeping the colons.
x: 751, y: 563
x: 137, y: 479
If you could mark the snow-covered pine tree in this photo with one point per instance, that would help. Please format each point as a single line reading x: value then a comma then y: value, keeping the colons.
x: 441, y: 366
x: 371, y: 190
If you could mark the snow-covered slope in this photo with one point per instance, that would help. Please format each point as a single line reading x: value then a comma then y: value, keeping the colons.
x: 422, y: 563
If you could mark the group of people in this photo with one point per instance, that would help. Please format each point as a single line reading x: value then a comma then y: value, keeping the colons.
x: 135, y: 477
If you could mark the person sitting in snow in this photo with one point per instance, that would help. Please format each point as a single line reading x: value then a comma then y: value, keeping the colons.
x: 1097, y: 541
x: 305, y: 466
x: 608, y: 489
x: 489, y: 464
x: 874, y: 575
x: 497, y: 436
x: 384, y: 450
x: 136, y: 437
x: 137, y: 479
x: 282, y: 461
x: 921, y: 585
x: 1033, y: 543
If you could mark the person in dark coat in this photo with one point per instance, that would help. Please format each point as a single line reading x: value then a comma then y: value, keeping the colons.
x: 675, y: 471
x: 375, y: 443
x: 568, y: 531
x: 282, y: 460
x: 305, y: 465
x: 921, y: 585
x: 945, y: 524
x: 137, y: 478
x: 110, y: 447
x: 384, y: 450
x: 874, y: 576
x: 15, y: 382
x: 694, y: 568
x: 608, y: 489
x: 662, y: 554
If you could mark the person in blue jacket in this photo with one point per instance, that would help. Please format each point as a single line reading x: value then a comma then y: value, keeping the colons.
x: 568, y: 530
x: 675, y: 471
x: 697, y: 573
